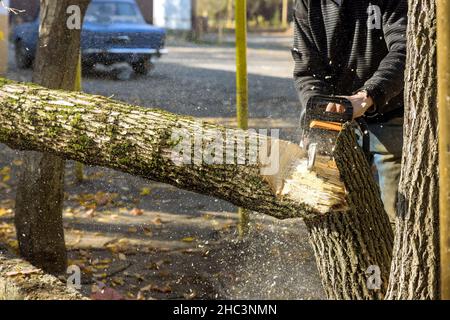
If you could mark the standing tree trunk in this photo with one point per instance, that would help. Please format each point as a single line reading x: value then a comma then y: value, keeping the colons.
x: 229, y: 22
x: 39, y: 200
x: 363, y: 228
x: 196, y: 31
x: 415, y: 267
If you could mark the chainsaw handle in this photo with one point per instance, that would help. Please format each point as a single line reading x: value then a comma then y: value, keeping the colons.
x: 317, y: 105
x: 316, y: 111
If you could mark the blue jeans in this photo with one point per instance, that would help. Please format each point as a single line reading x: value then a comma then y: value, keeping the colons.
x: 386, y: 144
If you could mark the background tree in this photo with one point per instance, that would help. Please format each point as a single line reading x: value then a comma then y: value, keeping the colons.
x: 415, y: 266
x: 39, y: 200
x: 259, y: 11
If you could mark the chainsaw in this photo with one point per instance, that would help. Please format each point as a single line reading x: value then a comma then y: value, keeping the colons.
x: 321, y: 128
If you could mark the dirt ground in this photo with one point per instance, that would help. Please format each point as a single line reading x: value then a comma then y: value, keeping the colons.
x: 147, y: 240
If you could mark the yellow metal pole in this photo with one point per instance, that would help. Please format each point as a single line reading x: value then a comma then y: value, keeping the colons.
x: 443, y: 56
x: 4, y: 38
x: 284, y: 14
x: 78, y: 87
x: 242, y: 87
x: 241, y: 64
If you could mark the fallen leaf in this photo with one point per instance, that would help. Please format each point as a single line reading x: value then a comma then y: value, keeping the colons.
x: 145, y: 191
x: 13, y: 244
x: 157, y: 221
x: 132, y: 229
x: 88, y: 269
x: 123, y: 210
x: 152, y: 287
x: 4, y: 212
x: 105, y: 261
x: 78, y: 262
x: 101, y: 266
x: 137, y: 212
x: 102, y: 199
x: 140, y: 296
x: 122, y: 257
x: 107, y: 294
x: 188, y: 239
x: 152, y: 266
x: 96, y: 287
x: 139, y: 277
x: 190, y: 295
x: 5, y: 171
x: 189, y: 250
x: 118, y: 281
x: 148, y: 234
x: 90, y: 213
x: 23, y: 272
x: 164, y: 274
x: 17, y: 162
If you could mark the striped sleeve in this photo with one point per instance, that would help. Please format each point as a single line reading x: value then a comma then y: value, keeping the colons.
x: 388, y: 81
x: 310, y: 69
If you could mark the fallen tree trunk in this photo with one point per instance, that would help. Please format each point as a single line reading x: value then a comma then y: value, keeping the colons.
x: 349, y: 229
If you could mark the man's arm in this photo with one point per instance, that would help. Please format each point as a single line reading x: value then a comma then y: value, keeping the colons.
x: 388, y: 81
x: 310, y: 68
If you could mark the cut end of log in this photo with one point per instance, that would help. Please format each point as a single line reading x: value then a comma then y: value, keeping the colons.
x: 321, y: 189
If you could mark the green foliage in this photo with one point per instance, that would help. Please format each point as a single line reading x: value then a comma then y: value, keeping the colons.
x: 213, y: 9
x: 259, y: 12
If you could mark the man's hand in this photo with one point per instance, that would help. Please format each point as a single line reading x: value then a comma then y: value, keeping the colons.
x: 360, y: 102
x: 335, y: 107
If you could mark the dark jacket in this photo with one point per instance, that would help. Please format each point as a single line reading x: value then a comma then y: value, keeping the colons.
x: 359, y: 45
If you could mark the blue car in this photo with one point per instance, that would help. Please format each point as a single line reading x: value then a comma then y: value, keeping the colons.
x: 113, y: 31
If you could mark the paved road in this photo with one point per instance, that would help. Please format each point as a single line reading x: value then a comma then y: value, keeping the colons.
x: 275, y: 262
x: 200, y: 81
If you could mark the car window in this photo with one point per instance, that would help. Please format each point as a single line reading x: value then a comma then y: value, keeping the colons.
x: 113, y: 12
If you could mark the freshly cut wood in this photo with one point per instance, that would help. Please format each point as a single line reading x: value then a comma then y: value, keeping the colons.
x: 350, y: 232
x: 329, y: 189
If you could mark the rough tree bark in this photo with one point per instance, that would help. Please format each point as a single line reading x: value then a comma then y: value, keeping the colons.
x: 415, y: 266
x: 39, y: 200
x: 349, y: 229
x: 341, y: 239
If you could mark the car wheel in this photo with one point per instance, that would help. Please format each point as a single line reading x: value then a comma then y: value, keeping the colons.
x: 143, y: 67
x: 23, y: 59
